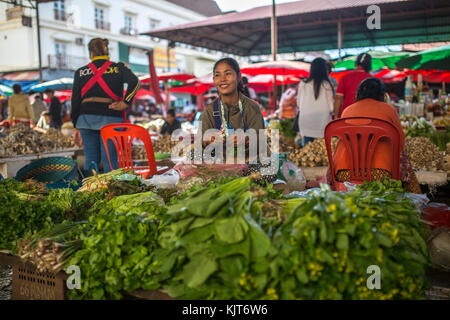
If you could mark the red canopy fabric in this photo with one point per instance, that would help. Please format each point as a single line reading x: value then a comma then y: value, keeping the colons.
x: 295, y: 68
x: 194, y: 89
x: 267, y: 80
x: 168, y: 76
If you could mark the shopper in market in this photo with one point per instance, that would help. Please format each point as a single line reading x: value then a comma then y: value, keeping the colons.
x: 98, y: 100
x: 19, y: 107
x: 171, y: 124
x: 38, y: 107
x: 315, y: 101
x: 349, y: 83
x: 54, y: 109
x: 370, y: 103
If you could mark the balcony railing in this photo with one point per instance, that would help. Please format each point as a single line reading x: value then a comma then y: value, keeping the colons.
x: 102, y: 25
x: 129, y: 31
x: 60, y: 14
x: 66, y: 62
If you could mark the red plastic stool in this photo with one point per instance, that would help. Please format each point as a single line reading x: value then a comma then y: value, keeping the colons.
x: 122, y: 135
x: 359, y: 136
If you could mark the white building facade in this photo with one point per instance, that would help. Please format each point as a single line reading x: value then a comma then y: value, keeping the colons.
x: 66, y: 26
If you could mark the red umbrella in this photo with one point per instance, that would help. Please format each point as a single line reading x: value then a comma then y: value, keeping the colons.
x: 194, y: 89
x: 439, y: 77
x: 168, y: 76
x: 206, y: 79
x: 267, y: 80
x: 143, y: 92
x: 62, y: 95
x: 295, y: 68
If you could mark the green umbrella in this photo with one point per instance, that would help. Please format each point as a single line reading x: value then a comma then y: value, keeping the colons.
x: 434, y: 59
x: 5, y: 90
x: 380, y: 59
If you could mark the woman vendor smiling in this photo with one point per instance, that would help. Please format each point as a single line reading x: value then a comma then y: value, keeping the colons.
x: 232, y: 110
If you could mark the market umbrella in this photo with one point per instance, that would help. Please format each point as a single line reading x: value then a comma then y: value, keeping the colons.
x: 267, y: 80
x: 194, y: 89
x: 439, y: 77
x: 168, y: 76
x: 391, y: 76
x: 58, y: 84
x: 380, y: 59
x: 5, y: 90
x: 295, y: 68
x: 437, y: 58
x: 206, y: 79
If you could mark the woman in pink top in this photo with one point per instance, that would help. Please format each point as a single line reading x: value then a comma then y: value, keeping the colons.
x: 348, y: 86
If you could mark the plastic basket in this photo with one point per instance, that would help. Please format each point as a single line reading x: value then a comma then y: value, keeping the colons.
x: 49, y: 170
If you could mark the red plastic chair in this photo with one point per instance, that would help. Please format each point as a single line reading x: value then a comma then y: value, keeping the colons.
x: 122, y: 135
x: 360, y: 135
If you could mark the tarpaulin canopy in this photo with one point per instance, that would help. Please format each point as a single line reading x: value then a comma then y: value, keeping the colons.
x: 379, y: 60
x: 194, y: 89
x: 437, y: 58
x: 5, y: 90
x: 295, y: 68
x: 267, y: 80
x: 312, y: 25
x: 168, y: 76
x: 58, y: 84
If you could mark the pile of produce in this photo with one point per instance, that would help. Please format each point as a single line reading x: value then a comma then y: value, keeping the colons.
x: 153, y: 125
x: 441, y: 122
x: 327, y: 244
x: 423, y: 154
x: 229, y: 239
x: 163, y: 144
x: 417, y: 127
x: 117, y: 255
x: 50, y: 251
x: 314, y: 154
x: 233, y: 242
x: 21, y: 140
x: 29, y: 207
x: 65, y: 142
x: 447, y: 159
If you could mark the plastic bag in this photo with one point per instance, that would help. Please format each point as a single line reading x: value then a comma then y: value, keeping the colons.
x: 419, y: 200
x: 293, y: 175
x: 168, y: 179
x: 302, y: 194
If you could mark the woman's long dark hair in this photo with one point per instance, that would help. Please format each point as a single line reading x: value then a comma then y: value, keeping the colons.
x: 318, y: 73
x: 235, y: 66
x: 371, y: 88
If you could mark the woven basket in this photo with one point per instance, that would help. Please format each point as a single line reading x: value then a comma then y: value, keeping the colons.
x: 49, y: 170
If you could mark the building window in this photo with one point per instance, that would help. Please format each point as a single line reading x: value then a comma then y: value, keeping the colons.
x: 59, y: 9
x: 128, y: 28
x: 61, y: 54
x: 100, y: 21
x: 154, y: 24
x: 128, y: 22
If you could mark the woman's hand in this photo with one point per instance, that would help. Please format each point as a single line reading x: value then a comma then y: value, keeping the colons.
x: 77, y: 138
x: 118, y: 105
